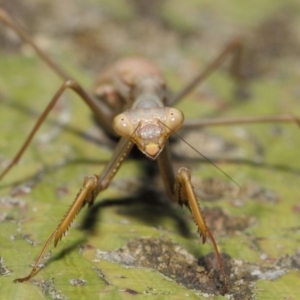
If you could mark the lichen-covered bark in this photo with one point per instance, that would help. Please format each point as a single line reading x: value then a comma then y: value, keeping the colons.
x: 134, y: 242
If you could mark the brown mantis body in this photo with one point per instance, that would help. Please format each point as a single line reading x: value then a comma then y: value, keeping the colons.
x: 130, y: 98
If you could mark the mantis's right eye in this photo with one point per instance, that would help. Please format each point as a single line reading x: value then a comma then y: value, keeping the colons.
x: 123, y: 126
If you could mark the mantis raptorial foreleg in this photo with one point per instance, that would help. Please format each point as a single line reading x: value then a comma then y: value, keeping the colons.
x: 92, y: 186
x: 180, y: 189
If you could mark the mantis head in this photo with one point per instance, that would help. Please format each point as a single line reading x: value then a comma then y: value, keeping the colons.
x: 148, y: 128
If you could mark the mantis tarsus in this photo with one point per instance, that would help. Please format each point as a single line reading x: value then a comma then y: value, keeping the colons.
x: 130, y: 98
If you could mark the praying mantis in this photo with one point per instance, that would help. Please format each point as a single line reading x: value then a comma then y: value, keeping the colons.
x: 135, y: 103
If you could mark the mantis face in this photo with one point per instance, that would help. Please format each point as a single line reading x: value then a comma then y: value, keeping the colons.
x: 148, y: 128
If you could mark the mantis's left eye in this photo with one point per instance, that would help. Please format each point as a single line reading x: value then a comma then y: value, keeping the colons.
x: 123, y: 126
x: 174, y: 119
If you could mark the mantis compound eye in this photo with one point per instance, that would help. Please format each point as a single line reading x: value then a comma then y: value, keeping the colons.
x: 123, y: 126
x: 174, y: 119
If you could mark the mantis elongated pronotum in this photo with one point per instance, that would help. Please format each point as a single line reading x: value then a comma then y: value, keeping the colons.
x: 130, y: 98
